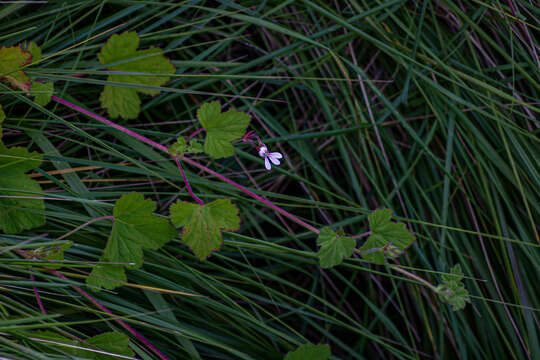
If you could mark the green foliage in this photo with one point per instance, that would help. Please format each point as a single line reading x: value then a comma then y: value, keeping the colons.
x: 35, y: 50
x: 432, y: 114
x: 120, y: 54
x: 107, y: 276
x: 221, y: 128
x: 135, y: 228
x: 55, y: 253
x: 195, y: 146
x: 110, y: 342
x: 310, y: 351
x: 452, y: 290
x: 180, y: 147
x: 387, y: 240
x: 333, y: 248
x: 42, y: 92
x: 203, y: 224
x: 11, y: 60
x: 19, y: 212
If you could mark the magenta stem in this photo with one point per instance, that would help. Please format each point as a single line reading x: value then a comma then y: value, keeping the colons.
x: 187, y: 184
x: 121, y: 322
x: 194, y: 133
x: 38, y: 298
x: 102, y: 308
x: 202, y: 167
x: 110, y: 123
x: 253, y: 195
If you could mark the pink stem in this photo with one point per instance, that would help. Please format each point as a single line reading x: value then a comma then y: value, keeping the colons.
x: 121, y: 322
x: 102, y: 308
x: 194, y: 133
x: 202, y: 167
x: 253, y: 195
x: 110, y: 123
x: 38, y: 298
x: 187, y: 184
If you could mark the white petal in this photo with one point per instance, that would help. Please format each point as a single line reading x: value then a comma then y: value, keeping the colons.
x: 267, y: 164
x: 277, y: 155
x: 273, y: 159
x: 262, y: 151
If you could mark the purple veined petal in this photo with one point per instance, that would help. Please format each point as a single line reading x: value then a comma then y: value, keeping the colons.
x: 262, y: 151
x: 273, y: 158
x: 267, y: 163
x: 276, y: 154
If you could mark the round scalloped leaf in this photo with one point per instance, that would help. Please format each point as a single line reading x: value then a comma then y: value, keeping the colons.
x: 387, y: 239
x: 11, y: 60
x: 19, y: 212
x: 42, y: 92
x: 135, y: 228
x: 203, y: 224
x: 333, y: 248
x: 221, y: 128
x: 142, y: 68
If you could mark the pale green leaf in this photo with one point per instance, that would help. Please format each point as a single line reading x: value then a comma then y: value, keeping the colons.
x: 309, y: 352
x: 452, y: 290
x: 11, y: 60
x: 42, y: 92
x: 18, y: 213
x: 34, y: 49
x: 333, y: 248
x: 387, y: 240
x: 144, y: 67
x: 203, y: 224
x: 179, y: 147
x: 195, y: 146
x: 135, y: 227
x: 221, y: 128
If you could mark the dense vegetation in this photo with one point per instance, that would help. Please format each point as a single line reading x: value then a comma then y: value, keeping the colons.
x: 427, y: 108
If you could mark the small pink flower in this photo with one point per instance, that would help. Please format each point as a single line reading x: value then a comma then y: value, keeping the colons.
x: 272, y: 157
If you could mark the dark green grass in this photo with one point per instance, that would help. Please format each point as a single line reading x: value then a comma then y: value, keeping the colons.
x: 428, y: 108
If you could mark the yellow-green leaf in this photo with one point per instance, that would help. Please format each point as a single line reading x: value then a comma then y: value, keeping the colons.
x: 221, y: 128
x: 34, y: 49
x: 135, y: 228
x: 203, y: 224
x: 18, y: 212
x: 387, y: 240
x: 139, y: 68
x: 11, y: 60
x: 42, y: 92
x: 333, y: 248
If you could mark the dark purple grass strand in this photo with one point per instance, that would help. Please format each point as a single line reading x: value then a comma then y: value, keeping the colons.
x: 38, y: 298
x: 121, y: 322
x: 492, y: 273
